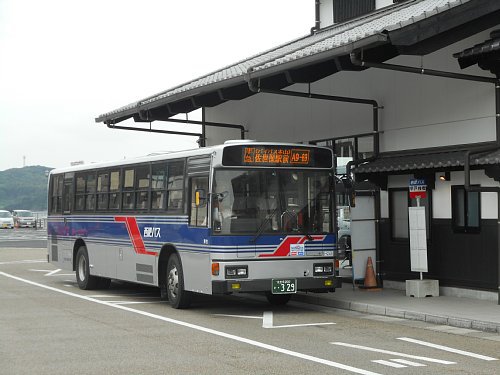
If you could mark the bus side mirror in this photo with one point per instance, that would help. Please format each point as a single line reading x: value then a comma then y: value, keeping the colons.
x: 200, y: 197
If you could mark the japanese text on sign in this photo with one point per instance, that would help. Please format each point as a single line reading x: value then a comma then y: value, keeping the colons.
x: 418, y: 188
x: 282, y: 156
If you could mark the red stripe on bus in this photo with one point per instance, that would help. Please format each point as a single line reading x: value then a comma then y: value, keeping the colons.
x: 283, y: 248
x: 135, y: 234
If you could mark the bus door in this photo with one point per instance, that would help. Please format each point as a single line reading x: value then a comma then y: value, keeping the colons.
x: 198, y: 169
x: 66, y: 246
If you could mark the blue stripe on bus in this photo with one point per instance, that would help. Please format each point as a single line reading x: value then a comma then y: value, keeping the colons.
x: 103, y: 229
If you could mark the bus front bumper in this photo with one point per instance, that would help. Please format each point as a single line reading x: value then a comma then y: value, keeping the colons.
x: 316, y: 285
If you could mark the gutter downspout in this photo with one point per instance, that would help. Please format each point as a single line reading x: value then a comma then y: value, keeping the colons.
x: 317, y: 22
x: 112, y: 126
x: 241, y: 128
x: 144, y: 116
x: 376, y: 146
x: 375, y: 106
x: 410, y: 69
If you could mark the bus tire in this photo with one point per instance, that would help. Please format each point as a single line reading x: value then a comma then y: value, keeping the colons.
x: 83, y: 277
x: 278, y: 299
x: 178, y: 297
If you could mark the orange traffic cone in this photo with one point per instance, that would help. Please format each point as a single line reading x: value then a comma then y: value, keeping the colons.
x: 370, y: 281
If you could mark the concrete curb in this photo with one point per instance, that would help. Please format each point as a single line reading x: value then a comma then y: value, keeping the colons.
x: 371, y: 309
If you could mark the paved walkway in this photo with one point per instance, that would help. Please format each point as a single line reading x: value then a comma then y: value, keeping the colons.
x: 483, y: 315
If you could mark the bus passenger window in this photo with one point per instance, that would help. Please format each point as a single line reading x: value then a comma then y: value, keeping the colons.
x: 158, y: 176
x: 114, y: 190
x: 175, y: 186
x: 128, y: 193
x: 80, y: 193
x: 142, y: 187
x: 102, y: 191
x: 90, y: 192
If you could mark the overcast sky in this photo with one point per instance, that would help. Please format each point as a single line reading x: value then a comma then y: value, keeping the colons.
x: 63, y: 63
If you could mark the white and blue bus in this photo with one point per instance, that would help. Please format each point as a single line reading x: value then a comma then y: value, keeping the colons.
x: 240, y: 217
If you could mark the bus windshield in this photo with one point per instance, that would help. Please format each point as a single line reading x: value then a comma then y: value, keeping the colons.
x: 261, y: 201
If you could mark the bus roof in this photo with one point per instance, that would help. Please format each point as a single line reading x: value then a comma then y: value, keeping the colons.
x: 172, y: 155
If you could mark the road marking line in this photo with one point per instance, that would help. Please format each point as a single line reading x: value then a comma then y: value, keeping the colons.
x: 202, y: 329
x: 302, y: 325
x: 132, y: 302
x: 389, y: 363
x: 267, y: 322
x: 35, y: 270
x: 52, y: 272
x: 239, y: 316
x: 25, y: 261
x: 394, y: 353
x: 267, y: 319
x: 448, y: 349
x: 409, y: 363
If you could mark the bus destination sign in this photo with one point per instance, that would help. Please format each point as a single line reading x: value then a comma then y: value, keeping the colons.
x: 277, y: 156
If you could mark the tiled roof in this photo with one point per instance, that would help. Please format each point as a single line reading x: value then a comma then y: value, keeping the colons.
x: 415, y: 162
x: 336, y: 40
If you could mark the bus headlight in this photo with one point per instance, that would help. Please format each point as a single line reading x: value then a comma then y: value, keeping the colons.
x: 322, y: 269
x: 236, y: 272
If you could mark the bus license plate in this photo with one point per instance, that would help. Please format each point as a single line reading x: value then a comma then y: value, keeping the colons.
x: 284, y: 286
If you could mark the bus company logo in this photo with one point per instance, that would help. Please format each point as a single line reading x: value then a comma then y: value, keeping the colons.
x: 152, y: 232
x: 135, y: 234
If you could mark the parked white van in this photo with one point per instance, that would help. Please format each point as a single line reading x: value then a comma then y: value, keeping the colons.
x: 6, y: 220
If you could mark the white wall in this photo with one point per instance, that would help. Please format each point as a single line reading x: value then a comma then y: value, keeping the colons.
x: 419, y: 111
x: 383, y: 3
x: 441, y: 195
x: 326, y: 10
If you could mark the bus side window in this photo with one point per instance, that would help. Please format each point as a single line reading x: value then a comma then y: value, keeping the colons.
x: 128, y: 196
x: 67, y: 193
x: 158, y: 179
x: 199, y: 207
x: 175, y: 186
x: 56, y: 185
x: 142, y: 183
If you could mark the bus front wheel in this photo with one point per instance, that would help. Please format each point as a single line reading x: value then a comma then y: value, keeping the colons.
x: 178, y: 297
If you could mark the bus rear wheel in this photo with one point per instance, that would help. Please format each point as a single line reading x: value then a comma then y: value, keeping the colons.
x: 278, y: 299
x: 178, y: 297
x: 85, y: 280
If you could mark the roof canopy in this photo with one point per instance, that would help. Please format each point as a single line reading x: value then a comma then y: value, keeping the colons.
x: 416, y: 162
x: 411, y: 27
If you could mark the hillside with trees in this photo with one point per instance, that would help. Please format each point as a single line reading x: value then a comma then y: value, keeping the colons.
x: 24, y: 188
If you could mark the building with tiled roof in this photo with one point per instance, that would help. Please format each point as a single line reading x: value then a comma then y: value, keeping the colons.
x: 407, y: 90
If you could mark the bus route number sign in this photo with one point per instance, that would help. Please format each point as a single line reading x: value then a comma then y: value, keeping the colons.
x: 284, y: 286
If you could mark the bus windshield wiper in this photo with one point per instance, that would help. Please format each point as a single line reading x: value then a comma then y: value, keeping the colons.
x: 267, y: 220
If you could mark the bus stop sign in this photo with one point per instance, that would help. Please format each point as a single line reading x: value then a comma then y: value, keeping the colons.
x: 418, y: 188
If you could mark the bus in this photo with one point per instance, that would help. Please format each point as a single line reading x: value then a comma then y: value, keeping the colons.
x: 241, y: 217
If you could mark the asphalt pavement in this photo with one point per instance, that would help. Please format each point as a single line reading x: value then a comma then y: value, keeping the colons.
x: 481, y: 314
